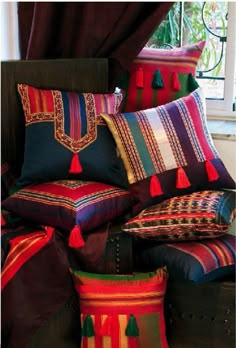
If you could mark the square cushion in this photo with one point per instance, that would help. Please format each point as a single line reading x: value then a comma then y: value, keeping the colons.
x: 66, y: 138
x: 198, y: 215
x: 75, y: 205
x: 122, y: 310
x: 168, y: 150
x: 196, y: 261
x: 158, y: 76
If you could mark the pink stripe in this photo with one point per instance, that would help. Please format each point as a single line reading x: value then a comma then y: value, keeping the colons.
x: 75, y: 120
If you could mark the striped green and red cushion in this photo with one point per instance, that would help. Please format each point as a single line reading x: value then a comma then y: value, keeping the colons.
x: 122, y: 311
x: 176, y: 69
x: 168, y: 150
x: 199, y: 215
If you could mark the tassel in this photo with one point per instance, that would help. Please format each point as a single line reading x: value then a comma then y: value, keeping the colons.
x: 75, y: 166
x: 182, y: 179
x: 49, y: 230
x: 3, y: 221
x: 157, y: 81
x: 212, y: 173
x: 192, y: 83
x: 139, y: 78
x: 88, y: 329
x: 76, y: 239
x: 132, y: 327
x: 106, y: 329
x: 175, y: 82
x: 155, y: 187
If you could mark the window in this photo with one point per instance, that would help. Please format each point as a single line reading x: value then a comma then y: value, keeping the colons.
x: 9, y: 47
x: 190, y: 22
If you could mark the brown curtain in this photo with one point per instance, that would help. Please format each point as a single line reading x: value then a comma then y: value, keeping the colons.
x: 116, y: 30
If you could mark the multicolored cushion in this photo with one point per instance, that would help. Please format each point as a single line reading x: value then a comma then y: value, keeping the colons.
x: 168, y: 150
x: 158, y: 76
x: 122, y: 311
x: 198, y: 261
x: 198, y: 215
x: 66, y: 138
x: 70, y: 204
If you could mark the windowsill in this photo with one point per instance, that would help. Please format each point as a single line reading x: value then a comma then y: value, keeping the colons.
x: 222, y: 130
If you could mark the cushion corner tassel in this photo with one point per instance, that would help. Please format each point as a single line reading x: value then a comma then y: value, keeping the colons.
x: 132, y: 329
x: 157, y: 81
x: 88, y: 328
x: 175, y: 82
x: 182, y: 180
x: 75, y: 165
x: 139, y: 78
x: 211, y: 171
x: 155, y: 186
x: 75, y: 238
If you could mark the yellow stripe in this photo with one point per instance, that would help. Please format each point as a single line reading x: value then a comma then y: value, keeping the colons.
x: 121, y: 303
x: 169, y: 60
x: 123, y: 324
x: 148, y: 294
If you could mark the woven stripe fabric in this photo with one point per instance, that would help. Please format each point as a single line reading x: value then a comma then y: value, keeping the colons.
x: 65, y: 203
x: 199, y: 215
x: 115, y: 298
x: 179, y: 61
x: 159, y: 141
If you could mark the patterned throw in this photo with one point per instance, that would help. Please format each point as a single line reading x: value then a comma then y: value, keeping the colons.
x: 73, y: 205
x: 66, y: 137
x: 168, y: 150
x: 199, y: 215
x: 158, y: 76
x: 197, y: 261
x: 122, y: 311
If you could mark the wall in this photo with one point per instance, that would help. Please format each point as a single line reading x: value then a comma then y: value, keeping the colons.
x: 227, y: 152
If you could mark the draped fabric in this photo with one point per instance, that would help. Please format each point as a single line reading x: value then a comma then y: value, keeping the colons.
x: 116, y: 30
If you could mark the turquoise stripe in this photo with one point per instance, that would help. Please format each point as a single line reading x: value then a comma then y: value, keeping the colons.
x: 140, y: 144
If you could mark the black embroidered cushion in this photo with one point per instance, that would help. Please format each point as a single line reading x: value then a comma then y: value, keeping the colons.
x: 66, y: 138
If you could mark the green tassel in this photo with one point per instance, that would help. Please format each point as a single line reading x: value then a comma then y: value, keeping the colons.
x: 88, y: 329
x: 192, y: 83
x: 157, y: 81
x: 132, y: 327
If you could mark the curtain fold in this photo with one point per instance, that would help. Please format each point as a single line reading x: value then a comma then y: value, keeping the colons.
x: 116, y: 30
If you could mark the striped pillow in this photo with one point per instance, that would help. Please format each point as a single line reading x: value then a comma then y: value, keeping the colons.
x: 198, y: 215
x: 168, y: 150
x: 122, y: 311
x: 158, y: 76
x: 74, y: 205
x: 67, y: 139
x: 197, y: 261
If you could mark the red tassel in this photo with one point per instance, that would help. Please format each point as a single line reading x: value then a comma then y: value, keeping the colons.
x: 175, y: 82
x: 76, y: 239
x: 182, y: 179
x: 106, y: 329
x: 3, y: 221
x: 155, y: 187
x: 49, y: 230
x: 139, y: 78
x: 75, y: 166
x: 212, y: 173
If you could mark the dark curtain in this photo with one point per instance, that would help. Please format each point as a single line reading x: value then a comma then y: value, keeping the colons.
x: 116, y: 30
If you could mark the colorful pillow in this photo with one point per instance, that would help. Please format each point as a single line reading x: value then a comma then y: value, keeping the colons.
x: 70, y: 204
x: 158, y: 76
x: 122, y: 311
x: 199, y: 261
x: 198, y: 215
x: 66, y: 138
x: 168, y: 151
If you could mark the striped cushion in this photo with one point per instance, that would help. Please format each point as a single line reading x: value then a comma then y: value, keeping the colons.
x: 175, y: 67
x: 69, y: 204
x: 198, y: 261
x: 168, y: 150
x: 122, y: 311
x: 66, y: 138
x: 198, y: 215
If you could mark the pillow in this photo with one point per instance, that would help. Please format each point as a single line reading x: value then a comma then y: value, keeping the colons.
x: 158, y: 76
x: 196, y: 261
x: 168, y: 151
x: 127, y: 310
x: 66, y: 138
x: 70, y: 204
x: 198, y: 215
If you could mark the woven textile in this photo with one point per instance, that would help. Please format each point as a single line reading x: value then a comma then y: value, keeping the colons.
x: 168, y: 150
x: 122, y: 311
x: 66, y: 138
x: 70, y: 204
x: 158, y: 76
x: 198, y: 215
x: 198, y: 261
